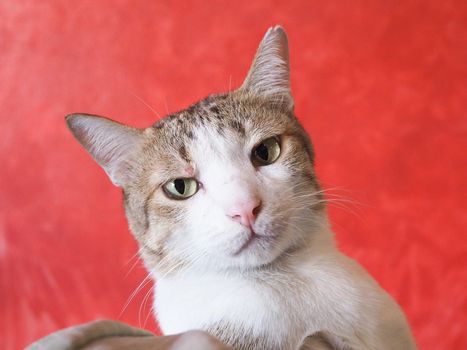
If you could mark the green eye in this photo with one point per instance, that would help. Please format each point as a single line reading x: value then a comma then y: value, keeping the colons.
x: 266, y: 152
x: 181, y: 188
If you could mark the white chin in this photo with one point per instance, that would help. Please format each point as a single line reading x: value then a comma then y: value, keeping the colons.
x: 261, y: 250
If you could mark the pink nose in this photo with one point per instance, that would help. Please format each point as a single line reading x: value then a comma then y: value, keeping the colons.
x: 246, y: 212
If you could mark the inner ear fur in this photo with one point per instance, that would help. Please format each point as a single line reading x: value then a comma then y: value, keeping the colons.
x: 109, y: 143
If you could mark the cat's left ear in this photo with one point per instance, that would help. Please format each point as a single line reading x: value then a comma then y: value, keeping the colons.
x: 269, y: 74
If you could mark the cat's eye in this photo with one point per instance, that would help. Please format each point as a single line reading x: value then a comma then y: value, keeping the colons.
x: 266, y: 152
x: 181, y: 188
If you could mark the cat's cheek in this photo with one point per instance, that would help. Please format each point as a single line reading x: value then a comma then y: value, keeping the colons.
x: 207, y: 227
x: 274, y: 175
x: 225, y: 242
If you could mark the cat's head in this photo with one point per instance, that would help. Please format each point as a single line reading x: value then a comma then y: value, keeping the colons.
x: 226, y: 183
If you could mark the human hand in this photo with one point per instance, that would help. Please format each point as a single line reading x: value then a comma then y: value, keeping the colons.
x: 192, y: 340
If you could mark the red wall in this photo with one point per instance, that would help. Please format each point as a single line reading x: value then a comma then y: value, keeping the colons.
x: 381, y: 87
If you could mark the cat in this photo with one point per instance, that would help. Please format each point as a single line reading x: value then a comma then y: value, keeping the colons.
x: 231, y: 221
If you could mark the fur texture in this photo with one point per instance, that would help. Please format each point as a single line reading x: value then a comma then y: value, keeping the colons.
x: 277, y: 284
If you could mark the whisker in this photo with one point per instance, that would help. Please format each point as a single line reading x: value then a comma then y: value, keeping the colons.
x: 136, y: 262
x: 145, y: 281
x: 146, y: 104
x: 166, y: 105
x: 143, y: 305
x: 150, y: 312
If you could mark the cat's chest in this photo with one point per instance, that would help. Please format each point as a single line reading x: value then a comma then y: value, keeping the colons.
x: 316, y: 295
x: 200, y: 303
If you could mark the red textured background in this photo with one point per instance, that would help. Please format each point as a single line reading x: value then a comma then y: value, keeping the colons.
x: 380, y: 85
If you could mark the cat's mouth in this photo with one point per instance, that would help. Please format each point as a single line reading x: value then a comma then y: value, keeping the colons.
x: 253, y: 239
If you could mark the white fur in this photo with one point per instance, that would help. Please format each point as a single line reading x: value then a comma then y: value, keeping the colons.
x: 328, y: 293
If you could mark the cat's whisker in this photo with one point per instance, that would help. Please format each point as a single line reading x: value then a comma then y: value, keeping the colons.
x: 166, y: 105
x: 346, y: 197
x: 150, y: 312
x: 326, y: 195
x: 136, y: 256
x: 143, y: 305
x: 136, y: 262
x: 331, y: 199
x: 146, y: 104
x: 173, y: 268
x: 339, y: 205
x: 145, y: 281
x: 181, y: 261
x: 327, y: 192
x: 132, y: 257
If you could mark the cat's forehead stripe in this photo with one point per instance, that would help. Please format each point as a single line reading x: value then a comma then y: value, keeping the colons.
x: 237, y: 126
x: 184, y: 153
x: 215, y: 109
x: 213, y: 112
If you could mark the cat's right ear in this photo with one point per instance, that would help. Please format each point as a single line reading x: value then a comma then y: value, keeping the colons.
x: 269, y: 74
x: 109, y: 143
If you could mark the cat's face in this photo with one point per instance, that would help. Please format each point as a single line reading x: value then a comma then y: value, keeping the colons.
x: 246, y: 170
x: 227, y: 183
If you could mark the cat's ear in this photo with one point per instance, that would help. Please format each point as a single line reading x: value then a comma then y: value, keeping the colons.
x: 109, y: 143
x: 269, y: 73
